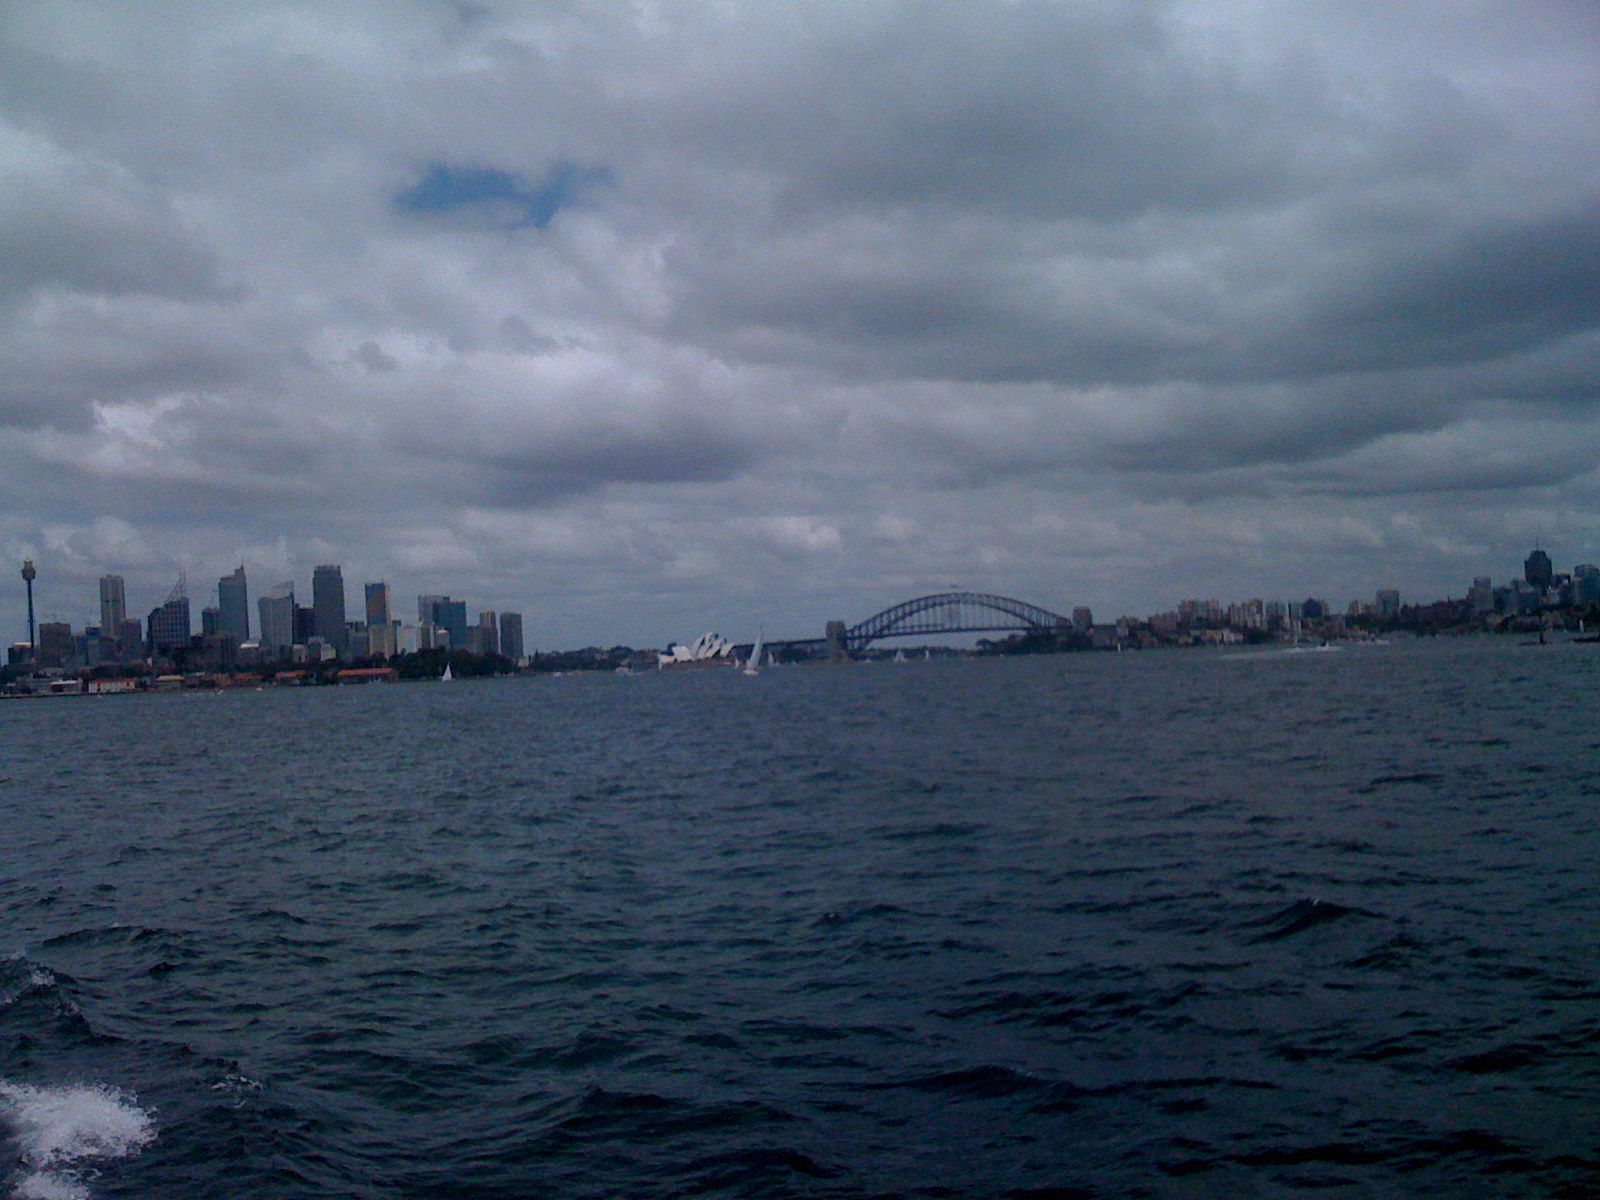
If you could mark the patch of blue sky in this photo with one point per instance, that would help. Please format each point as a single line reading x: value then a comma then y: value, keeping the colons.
x: 444, y: 189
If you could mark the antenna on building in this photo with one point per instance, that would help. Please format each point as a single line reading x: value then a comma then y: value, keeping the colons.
x: 180, y: 590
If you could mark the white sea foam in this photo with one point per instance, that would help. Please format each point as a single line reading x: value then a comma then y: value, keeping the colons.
x: 59, y: 1131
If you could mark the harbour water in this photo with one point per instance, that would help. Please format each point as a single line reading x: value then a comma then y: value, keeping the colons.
x: 1160, y: 924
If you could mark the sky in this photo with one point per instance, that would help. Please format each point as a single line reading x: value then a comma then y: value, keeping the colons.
x: 647, y: 319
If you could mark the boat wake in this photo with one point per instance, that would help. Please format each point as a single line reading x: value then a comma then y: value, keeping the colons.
x: 61, y: 1133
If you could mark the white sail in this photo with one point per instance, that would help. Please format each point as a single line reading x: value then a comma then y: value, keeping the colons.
x: 753, y: 666
x: 446, y: 677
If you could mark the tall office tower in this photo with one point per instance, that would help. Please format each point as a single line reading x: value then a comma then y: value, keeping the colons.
x: 130, y: 639
x: 170, y: 627
x: 305, y: 625
x: 210, y: 621
x: 377, y: 604
x: 277, y: 609
x: 1586, y: 583
x: 491, y: 632
x: 55, y: 643
x: 446, y: 614
x: 1481, y: 595
x: 453, y: 616
x: 511, y: 635
x: 233, y: 598
x: 113, y: 605
x: 381, y: 640
x: 327, y: 602
x: 1536, y: 569
x: 1388, y: 604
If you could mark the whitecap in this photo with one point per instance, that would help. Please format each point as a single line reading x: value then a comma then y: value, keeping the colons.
x: 59, y: 1131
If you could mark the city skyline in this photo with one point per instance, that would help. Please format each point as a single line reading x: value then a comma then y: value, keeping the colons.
x: 647, y: 320
x: 280, y: 614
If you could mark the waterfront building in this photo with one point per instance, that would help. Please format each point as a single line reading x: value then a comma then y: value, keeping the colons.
x: 1082, y: 619
x: 113, y: 604
x: 511, y: 635
x: 277, y: 608
x: 233, y: 599
x: 327, y: 605
x: 357, y: 639
x: 1481, y: 596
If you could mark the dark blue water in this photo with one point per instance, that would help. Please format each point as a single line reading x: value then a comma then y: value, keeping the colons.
x: 1162, y: 924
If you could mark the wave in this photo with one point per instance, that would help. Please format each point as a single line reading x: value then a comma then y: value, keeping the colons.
x: 62, y: 1132
x: 1301, y: 916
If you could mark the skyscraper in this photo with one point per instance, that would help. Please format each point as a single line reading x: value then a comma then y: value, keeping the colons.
x: 490, y: 637
x: 327, y: 603
x: 233, y: 598
x: 277, y: 621
x: 377, y: 604
x: 511, y: 635
x: 446, y: 614
x: 113, y: 605
x: 1537, y: 570
x: 170, y: 626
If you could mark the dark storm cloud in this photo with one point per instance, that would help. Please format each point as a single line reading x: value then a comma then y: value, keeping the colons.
x: 838, y: 298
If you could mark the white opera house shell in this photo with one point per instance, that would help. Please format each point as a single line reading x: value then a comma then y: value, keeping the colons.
x: 707, y: 650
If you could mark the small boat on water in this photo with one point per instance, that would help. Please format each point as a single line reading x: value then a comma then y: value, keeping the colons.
x: 447, y: 677
x: 753, y: 666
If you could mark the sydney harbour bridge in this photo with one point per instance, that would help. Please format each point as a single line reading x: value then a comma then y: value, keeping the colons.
x: 943, y: 612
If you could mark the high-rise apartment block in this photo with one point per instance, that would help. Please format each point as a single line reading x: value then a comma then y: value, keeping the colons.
x: 327, y: 605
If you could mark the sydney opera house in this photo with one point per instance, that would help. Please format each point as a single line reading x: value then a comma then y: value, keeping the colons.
x: 707, y: 650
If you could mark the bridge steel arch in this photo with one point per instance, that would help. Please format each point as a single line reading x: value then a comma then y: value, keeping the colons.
x: 953, y: 612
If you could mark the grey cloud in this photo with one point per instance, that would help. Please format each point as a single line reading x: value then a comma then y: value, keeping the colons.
x: 371, y: 356
x: 1053, y: 294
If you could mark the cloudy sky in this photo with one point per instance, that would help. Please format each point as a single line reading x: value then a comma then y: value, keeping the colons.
x: 652, y: 318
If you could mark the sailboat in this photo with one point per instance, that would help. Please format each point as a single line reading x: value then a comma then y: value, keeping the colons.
x: 446, y: 677
x: 753, y: 666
